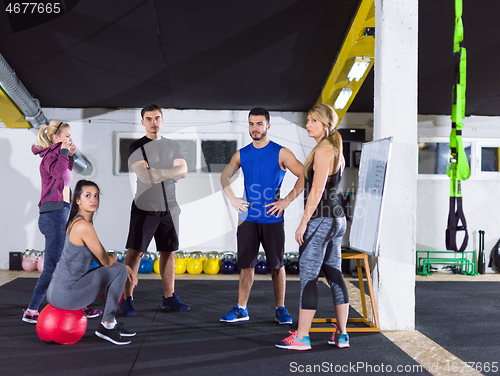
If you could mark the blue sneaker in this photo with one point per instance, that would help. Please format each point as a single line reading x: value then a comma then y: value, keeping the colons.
x: 341, y: 340
x: 282, y: 316
x: 293, y: 343
x: 174, y: 303
x: 127, y: 307
x: 236, y: 314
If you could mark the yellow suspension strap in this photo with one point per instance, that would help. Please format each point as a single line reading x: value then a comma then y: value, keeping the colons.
x: 458, y: 167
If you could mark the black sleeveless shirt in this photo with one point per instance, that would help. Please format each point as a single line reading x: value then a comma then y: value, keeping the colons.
x: 329, y: 205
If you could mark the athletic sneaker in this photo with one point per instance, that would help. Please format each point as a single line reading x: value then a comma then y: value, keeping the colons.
x: 341, y: 341
x: 30, y: 318
x: 127, y: 307
x: 174, y: 304
x: 282, y: 316
x: 236, y: 314
x: 91, y: 312
x: 111, y: 335
x: 124, y: 331
x: 293, y: 343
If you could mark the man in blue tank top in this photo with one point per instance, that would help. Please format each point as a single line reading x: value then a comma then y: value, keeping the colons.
x: 264, y: 164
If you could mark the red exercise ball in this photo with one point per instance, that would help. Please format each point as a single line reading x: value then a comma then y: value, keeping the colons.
x: 61, y: 326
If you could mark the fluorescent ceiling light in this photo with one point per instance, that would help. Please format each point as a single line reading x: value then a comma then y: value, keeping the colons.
x: 358, y: 68
x: 343, y: 98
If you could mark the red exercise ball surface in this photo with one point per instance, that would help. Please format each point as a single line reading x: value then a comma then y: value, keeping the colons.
x: 61, y: 326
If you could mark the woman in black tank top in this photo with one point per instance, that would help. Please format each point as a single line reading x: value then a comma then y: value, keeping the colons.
x: 321, y: 229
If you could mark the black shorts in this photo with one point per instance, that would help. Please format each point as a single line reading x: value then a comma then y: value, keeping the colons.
x: 162, y: 225
x: 272, y: 237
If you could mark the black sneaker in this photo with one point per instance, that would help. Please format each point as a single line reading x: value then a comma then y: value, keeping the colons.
x: 111, y: 335
x: 124, y: 331
x: 174, y: 303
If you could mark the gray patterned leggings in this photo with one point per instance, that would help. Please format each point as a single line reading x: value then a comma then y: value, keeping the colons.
x: 322, y: 250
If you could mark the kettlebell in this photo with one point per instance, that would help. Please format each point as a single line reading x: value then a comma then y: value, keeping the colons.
x: 211, y: 265
x: 30, y: 261
x: 156, y: 266
x: 181, y: 261
x: 154, y: 256
x: 228, y: 263
x: 146, y: 263
x: 195, y: 263
x: 261, y: 266
x: 292, y: 263
x: 119, y: 257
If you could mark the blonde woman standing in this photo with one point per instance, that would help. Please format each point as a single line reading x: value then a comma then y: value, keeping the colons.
x: 56, y: 148
x: 321, y: 229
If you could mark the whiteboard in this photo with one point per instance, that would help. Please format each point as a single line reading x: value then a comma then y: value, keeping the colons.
x: 367, y: 213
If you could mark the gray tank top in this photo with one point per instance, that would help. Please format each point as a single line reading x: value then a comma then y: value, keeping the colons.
x: 74, y: 263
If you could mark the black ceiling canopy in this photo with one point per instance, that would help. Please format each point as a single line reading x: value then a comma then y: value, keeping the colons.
x: 182, y: 54
x: 198, y: 54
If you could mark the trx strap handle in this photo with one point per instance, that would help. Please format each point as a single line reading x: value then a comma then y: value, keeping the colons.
x: 458, y: 168
x: 455, y: 216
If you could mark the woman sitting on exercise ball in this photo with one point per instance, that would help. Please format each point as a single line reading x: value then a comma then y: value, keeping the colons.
x: 73, y: 286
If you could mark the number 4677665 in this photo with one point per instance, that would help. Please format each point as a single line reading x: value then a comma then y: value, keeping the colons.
x: 33, y: 8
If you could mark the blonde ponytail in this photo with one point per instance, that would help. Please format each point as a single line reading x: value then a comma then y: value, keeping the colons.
x: 46, y: 133
x: 327, y: 116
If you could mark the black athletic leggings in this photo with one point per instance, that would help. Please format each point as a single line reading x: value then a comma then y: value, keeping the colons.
x: 322, y: 250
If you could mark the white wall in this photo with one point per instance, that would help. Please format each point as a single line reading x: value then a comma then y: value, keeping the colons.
x: 206, y: 222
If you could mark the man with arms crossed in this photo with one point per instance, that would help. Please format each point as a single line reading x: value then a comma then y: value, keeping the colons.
x: 158, y: 163
x: 264, y: 164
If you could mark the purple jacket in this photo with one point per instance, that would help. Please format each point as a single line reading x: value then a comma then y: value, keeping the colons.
x: 55, y: 162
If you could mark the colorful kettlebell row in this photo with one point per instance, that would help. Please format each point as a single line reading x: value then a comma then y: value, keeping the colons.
x: 211, y: 262
x: 195, y: 262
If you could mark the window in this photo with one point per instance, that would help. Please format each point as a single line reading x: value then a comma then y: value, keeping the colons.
x: 124, y: 145
x: 433, y: 157
x: 482, y: 154
x: 489, y: 159
x: 217, y: 154
x: 203, y: 152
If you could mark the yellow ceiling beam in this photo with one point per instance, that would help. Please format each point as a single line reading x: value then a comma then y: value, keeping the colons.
x: 356, y: 43
x: 10, y: 114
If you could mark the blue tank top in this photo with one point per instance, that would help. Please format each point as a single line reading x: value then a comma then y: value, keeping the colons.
x: 263, y: 177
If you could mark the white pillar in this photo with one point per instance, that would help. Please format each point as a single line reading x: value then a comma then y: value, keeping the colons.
x: 395, y: 114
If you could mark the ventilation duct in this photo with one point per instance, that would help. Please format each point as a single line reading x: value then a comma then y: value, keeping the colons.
x: 31, y: 109
x: 20, y: 95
